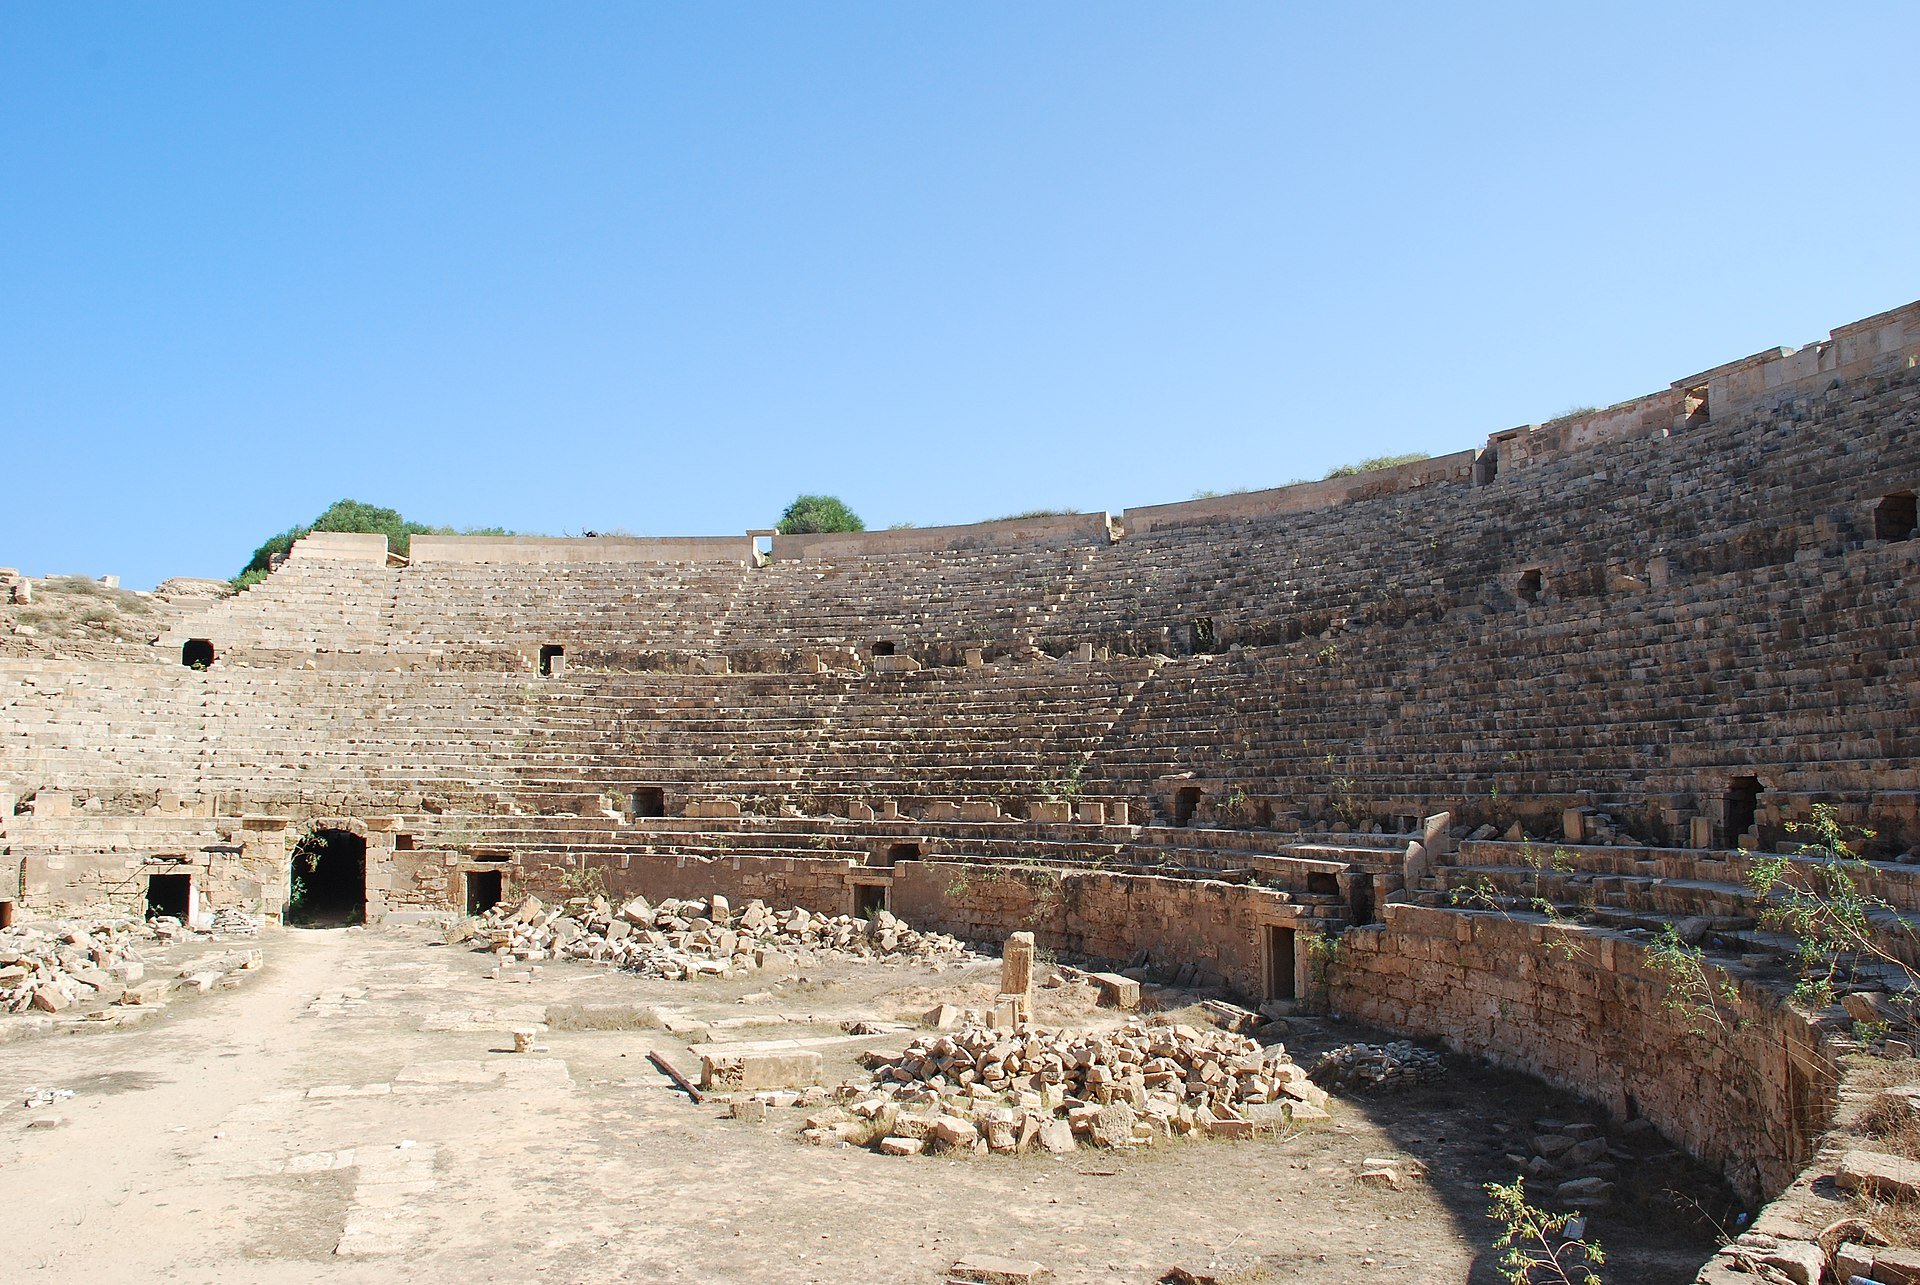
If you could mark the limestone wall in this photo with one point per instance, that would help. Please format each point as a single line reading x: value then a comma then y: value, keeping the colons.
x: 1214, y: 928
x: 1053, y: 530
x: 1747, y: 1092
x: 1304, y: 497
x: 525, y: 550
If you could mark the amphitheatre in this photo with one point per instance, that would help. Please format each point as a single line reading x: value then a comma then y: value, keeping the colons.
x: 674, y: 876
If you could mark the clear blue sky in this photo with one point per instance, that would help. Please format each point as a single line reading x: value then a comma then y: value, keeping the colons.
x: 563, y: 266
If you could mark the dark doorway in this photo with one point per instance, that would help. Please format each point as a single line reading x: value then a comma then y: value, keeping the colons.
x: 897, y: 852
x: 1895, y: 517
x: 1743, y: 804
x: 1201, y: 638
x: 329, y: 879
x: 1321, y: 884
x: 6, y: 914
x: 649, y: 801
x: 1185, y: 801
x: 197, y: 653
x: 553, y: 660
x: 869, y: 899
x: 170, y: 895
x: 485, y: 890
x: 1279, y: 950
x: 1532, y: 581
x: 1360, y: 904
x: 883, y: 649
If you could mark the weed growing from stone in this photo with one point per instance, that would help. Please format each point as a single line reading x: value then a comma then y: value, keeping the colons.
x: 1533, y: 1245
x: 1699, y: 993
x: 1815, y: 895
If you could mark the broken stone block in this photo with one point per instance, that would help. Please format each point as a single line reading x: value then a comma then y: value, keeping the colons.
x: 1878, y: 1174
x: 945, y: 1017
x: 1584, y: 1192
x: 795, y: 1069
x: 1896, y: 1266
x: 1113, y: 1125
x: 1116, y: 991
x: 752, y: 1111
x: 1799, y: 1261
x: 1057, y: 1137
x: 1016, y: 966
x: 986, y: 1269
x: 954, y: 1131
x: 901, y: 1146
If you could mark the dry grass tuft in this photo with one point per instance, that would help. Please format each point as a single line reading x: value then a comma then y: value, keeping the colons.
x: 607, y: 1017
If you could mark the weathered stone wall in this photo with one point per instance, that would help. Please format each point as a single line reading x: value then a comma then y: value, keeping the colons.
x: 1054, y: 530
x: 1216, y: 928
x: 1747, y: 1090
x: 822, y: 884
x: 528, y: 549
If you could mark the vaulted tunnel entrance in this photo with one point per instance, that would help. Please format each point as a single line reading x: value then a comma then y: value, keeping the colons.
x: 329, y: 885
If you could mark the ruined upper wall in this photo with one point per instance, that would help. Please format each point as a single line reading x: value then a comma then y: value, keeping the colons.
x: 1762, y: 380
x: 1052, y: 531
x: 1304, y: 497
x: 341, y: 546
x: 524, y: 549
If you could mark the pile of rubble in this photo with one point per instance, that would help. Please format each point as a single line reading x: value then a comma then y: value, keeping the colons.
x: 228, y: 922
x: 54, y: 965
x: 679, y: 939
x: 1577, y: 1158
x: 1011, y: 1089
x: 1377, y: 1068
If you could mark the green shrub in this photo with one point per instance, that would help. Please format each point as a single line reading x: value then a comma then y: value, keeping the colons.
x: 1373, y: 465
x: 816, y: 514
x: 353, y: 516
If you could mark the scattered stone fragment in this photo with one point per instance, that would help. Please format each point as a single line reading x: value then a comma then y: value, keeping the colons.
x: 52, y: 965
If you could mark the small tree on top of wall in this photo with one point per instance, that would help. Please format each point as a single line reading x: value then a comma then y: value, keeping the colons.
x: 817, y: 514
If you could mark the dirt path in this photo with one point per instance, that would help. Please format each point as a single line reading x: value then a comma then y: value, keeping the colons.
x: 351, y: 1115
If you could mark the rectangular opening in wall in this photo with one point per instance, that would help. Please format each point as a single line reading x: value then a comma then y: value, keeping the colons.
x: 869, y: 899
x: 1279, y: 961
x: 403, y: 843
x: 649, y: 801
x: 6, y: 914
x: 1201, y: 638
x: 897, y: 852
x: 1896, y: 516
x: 553, y: 660
x: 1743, y: 806
x: 1532, y: 581
x: 1185, y: 801
x: 1695, y: 407
x: 1360, y: 901
x: 485, y: 890
x: 883, y: 648
x: 170, y: 895
x: 1321, y: 884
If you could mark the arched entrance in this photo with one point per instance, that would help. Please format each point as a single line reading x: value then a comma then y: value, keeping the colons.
x: 328, y: 885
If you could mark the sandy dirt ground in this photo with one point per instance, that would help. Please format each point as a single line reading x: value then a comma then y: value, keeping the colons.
x: 353, y: 1114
